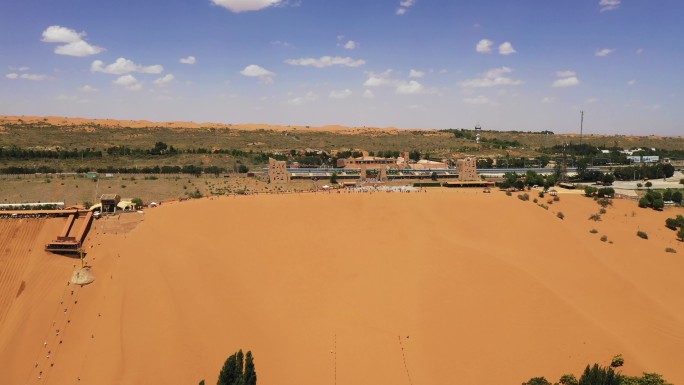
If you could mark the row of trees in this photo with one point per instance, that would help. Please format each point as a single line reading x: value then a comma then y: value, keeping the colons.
x: 238, y: 370
x: 27, y: 154
x: 603, y: 375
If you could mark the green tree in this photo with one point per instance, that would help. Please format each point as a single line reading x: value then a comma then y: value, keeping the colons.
x: 250, y: 372
x: 537, y: 381
x: 608, y: 179
x: 242, y: 169
x: 589, y: 191
x: 227, y: 374
x: 333, y: 178
x: 667, y: 195
x: 658, y: 204
x: 598, y: 375
x: 648, y: 184
x: 680, y: 234
x: 568, y: 379
x: 677, y: 197
x: 433, y: 176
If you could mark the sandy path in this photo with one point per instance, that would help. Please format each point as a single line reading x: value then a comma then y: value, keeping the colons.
x: 444, y: 286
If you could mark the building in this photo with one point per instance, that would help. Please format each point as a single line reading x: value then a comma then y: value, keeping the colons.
x: 110, y: 203
x: 467, y: 169
x: 371, y: 162
x: 277, y: 171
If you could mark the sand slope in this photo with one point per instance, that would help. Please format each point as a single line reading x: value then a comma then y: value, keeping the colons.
x: 449, y: 286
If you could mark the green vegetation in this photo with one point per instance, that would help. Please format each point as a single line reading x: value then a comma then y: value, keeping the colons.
x: 238, y: 370
x: 670, y: 250
x: 652, y: 199
x: 333, y: 178
x: 524, y: 197
x: 595, y: 217
x: 600, y: 375
x: 560, y: 215
x: 604, y: 238
x: 642, y: 235
x: 593, y: 231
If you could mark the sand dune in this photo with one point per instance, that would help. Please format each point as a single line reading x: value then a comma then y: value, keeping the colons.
x: 449, y: 286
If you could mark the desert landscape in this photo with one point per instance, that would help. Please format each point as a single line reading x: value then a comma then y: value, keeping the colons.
x: 443, y: 286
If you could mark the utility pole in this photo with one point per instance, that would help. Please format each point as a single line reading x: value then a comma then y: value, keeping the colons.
x: 581, y: 125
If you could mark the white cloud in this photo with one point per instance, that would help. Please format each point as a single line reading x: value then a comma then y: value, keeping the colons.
x: 74, y: 99
x: 506, y: 49
x: 548, y: 100
x: 34, y: 77
x: 484, y: 46
x: 238, y: 6
x: 351, y: 45
x: 416, y: 74
x: 326, y: 61
x: 409, y: 88
x: 368, y: 94
x: 566, y: 82
x: 380, y: 79
x: 57, y: 34
x: 404, y: 5
x: 78, y: 49
x: 87, y: 88
x: 565, y: 74
x: 123, y: 66
x: 164, y: 80
x: 592, y: 100
x: 476, y: 100
x: 307, y: 98
x: 609, y: 5
x: 256, y: 71
x: 188, y: 60
x: 492, y: 78
x: 604, y: 52
x: 75, y: 45
x: 340, y: 94
x: 21, y: 69
x: 129, y: 82
x: 631, y: 82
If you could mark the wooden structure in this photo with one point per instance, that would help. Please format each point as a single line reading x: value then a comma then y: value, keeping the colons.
x: 66, y: 243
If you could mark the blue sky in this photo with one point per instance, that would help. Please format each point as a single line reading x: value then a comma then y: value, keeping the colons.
x: 509, y: 65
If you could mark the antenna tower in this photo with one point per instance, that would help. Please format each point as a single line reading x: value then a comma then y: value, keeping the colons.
x: 564, y: 164
x: 581, y: 125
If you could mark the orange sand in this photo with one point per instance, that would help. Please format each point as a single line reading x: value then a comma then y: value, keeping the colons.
x: 476, y: 288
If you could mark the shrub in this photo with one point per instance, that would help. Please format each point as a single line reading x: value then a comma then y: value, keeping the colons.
x: 541, y: 194
x: 643, y: 202
x: 589, y: 191
x: 606, y: 192
x: 670, y: 250
x: 617, y: 361
x: 604, y: 202
x: 508, y: 193
x: 535, y: 200
x: 524, y: 197
x: 560, y: 215
x: 595, y: 217
x: 545, y: 207
x: 602, y: 211
x: 677, y: 197
x: 671, y: 223
x: 556, y: 198
x: 648, y: 184
x: 593, y: 231
x: 639, y: 185
x: 604, y: 238
x: 680, y: 234
x: 642, y: 235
